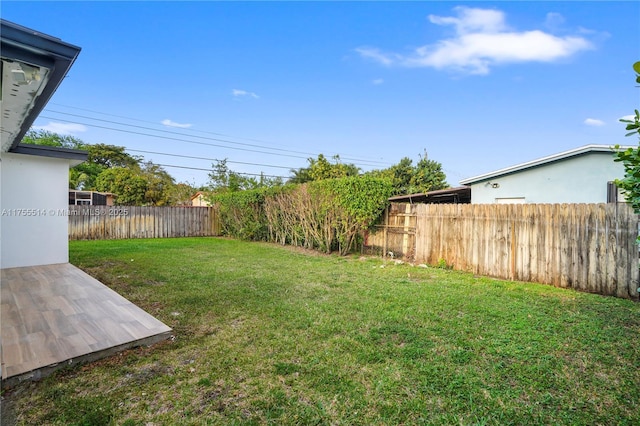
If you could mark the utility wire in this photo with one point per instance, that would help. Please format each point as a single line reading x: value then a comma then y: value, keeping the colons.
x: 170, y: 138
x: 175, y: 133
x: 359, y: 160
x: 147, y: 121
x: 205, y: 158
x: 192, y: 142
x: 208, y: 170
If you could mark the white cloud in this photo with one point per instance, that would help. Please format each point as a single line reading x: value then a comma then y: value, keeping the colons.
x: 170, y: 123
x: 376, y: 55
x: 593, y: 122
x: 628, y: 117
x: 472, y: 20
x: 482, y: 40
x: 377, y: 81
x: 62, y: 128
x: 553, y: 20
x: 241, y: 93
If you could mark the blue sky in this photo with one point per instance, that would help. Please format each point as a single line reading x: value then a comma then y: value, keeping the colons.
x: 479, y: 85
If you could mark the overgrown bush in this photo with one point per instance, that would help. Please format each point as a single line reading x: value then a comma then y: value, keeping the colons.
x: 325, y: 215
x: 242, y: 215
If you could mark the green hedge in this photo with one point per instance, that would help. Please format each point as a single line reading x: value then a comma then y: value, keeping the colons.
x: 325, y: 215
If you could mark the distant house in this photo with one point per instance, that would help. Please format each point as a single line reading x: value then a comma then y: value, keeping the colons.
x: 53, y: 314
x: 580, y: 175
x: 90, y: 198
x: 199, y: 199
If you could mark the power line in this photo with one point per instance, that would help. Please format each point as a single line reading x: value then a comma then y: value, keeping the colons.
x: 147, y: 121
x: 170, y: 138
x: 155, y: 123
x: 359, y: 160
x: 205, y: 158
x: 174, y: 133
x: 208, y: 170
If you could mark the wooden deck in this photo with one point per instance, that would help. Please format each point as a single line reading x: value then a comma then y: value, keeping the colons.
x: 57, y: 315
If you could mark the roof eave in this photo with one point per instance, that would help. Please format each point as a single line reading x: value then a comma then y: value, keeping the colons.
x: 29, y: 46
x: 540, y: 161
x: 74, y: 156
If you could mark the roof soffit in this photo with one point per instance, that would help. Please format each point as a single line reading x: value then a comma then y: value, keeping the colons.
x: 33, y: 65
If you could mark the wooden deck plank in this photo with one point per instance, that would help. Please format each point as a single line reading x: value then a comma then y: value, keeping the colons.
x: 55, y: 315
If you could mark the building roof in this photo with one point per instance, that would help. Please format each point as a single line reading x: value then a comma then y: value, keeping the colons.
x: 33, y: 66
x: 197, y: 194
x: 459, y: 195
x: 91, y: 192
x: 541, y: 161
x: 75, y: 155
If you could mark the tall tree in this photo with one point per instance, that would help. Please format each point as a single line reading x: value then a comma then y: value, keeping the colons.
x: 321, y: 168
x: 128, y: 186
x: 400, y: 175
x: 159, y: 184
x: 425, y: 176
x: 110, y: 168
x: 630, y: 157
x: 428, y: 176
x: 107, y: 156
x: 301, y: 175
x: 222, y: 179
x: 47, y: 138
x: 101, y: 157
x: 180, y: 194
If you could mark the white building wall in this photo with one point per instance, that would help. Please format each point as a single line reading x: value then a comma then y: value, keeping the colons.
x: 33, y: 202
x: 580, y: 179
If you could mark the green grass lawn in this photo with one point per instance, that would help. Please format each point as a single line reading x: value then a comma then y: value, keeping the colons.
x: 270, y: 335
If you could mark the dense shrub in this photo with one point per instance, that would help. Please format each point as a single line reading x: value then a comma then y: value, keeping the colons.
x: 326, y: 215
x: 241, y: 214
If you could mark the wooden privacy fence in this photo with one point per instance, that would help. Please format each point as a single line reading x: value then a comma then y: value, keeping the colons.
x: 587, y: 247
x: 120, y: 222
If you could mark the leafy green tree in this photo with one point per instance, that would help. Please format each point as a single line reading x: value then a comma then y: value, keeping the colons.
x: 428, y: 176
x: 301, y: 175
x: 180, y: 194
x: 128, y: 186
x: 222, y: 179
x: 269, y: 182
x: 78, y: 179
x: 107, y: 156
x: 399, y: 174
x: 425, y: 176
x: 47, y: 138
x: 159, y: 184
x: 101, y: 157
x: 630, y: 158
x: 320, y: 168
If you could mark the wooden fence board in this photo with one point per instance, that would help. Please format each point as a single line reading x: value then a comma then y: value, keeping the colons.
x: 587, y: 247
x: 115, y: 222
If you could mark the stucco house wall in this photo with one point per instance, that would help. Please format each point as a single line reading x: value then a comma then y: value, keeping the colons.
x: 198, y: 200
x: 575, y: 179
x: 33, y: 215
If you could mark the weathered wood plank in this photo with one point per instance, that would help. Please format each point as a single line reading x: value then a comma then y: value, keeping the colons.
x: 118, y: 222
x: 588, y: 247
